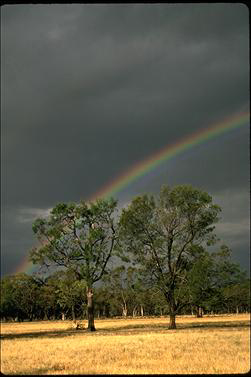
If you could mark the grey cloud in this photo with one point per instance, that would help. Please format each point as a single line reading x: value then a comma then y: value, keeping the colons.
x: 234, y: 231
x: 28, y: 215
x: 89, y: 90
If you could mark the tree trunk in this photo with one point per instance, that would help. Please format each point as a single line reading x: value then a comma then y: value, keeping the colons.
x: 63, y: 316
x: 237, y: 310
x: 107, y: 311
x: 199, y: 312
x: 142, y: 310
x: 134, y: 312
x: 90, y: 310
x: 124, y: 306
x: 172, y: 323
x: 124, y: 311
x: 172, y: 311
x: 73, y: 313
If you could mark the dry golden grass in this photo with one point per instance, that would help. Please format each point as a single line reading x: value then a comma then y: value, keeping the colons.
x: 212, y: 345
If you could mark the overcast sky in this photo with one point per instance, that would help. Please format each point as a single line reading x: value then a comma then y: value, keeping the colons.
x: 90, y: 90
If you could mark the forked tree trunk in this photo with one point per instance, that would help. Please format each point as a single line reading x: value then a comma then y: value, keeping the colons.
x: 135, y: 311
x: 90, y: 310
x: 124, y: 311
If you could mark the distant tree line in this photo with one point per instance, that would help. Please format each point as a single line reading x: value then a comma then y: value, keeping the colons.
x: 25, y: 297
x: 165, y: 269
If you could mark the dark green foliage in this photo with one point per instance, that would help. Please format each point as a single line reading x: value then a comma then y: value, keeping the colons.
x: 237, y: 297
x: 209, y: 277
x: 126, y: 290
x: 19, y: 297
x: 166, y: 235
x: 70, y: 293
x: 79, y: 237
x: 165, y: 240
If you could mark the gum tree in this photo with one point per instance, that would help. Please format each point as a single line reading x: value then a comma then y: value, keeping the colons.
x: 81, y: 239
x: 124, y: 285
x: 14, y: 303
x: 165, y: 235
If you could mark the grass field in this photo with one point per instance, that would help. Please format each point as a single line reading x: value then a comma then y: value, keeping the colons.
x: 213, y: 344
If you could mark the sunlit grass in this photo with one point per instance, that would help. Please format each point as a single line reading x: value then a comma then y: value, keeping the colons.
x: 129, y: 346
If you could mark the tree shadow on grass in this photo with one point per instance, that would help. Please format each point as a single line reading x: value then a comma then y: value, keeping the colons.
x: 128, y: 329
x: 40, y: 371
x: 161, y: 326
x: 43, y: 334
x: 211, y: 325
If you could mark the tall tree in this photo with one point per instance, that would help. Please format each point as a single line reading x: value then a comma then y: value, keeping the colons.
x: 165, y: 235
x: 79, y: 237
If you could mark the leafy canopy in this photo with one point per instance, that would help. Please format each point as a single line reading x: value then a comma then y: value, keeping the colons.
x: 79, y: 237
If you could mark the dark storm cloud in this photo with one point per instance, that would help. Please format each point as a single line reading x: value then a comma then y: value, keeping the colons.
x: 89, y: 90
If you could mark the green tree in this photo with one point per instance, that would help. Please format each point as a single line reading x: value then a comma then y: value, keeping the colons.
x: 199, y: 287
x: 8, y: 308
x: 48, y: 299
x: 226, y: 276
x: 237, y: 296
x: 103, y: 301
x: 69, y: 292
x: 123, y: 283
x: 79, y: 237
x: 212, y: 280
x: 20, y: 297
x: 167, y: 234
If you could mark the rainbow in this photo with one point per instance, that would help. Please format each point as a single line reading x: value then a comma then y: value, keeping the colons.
x: 168, y: 152
x: 26, y: 266
x: 165, y: 154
